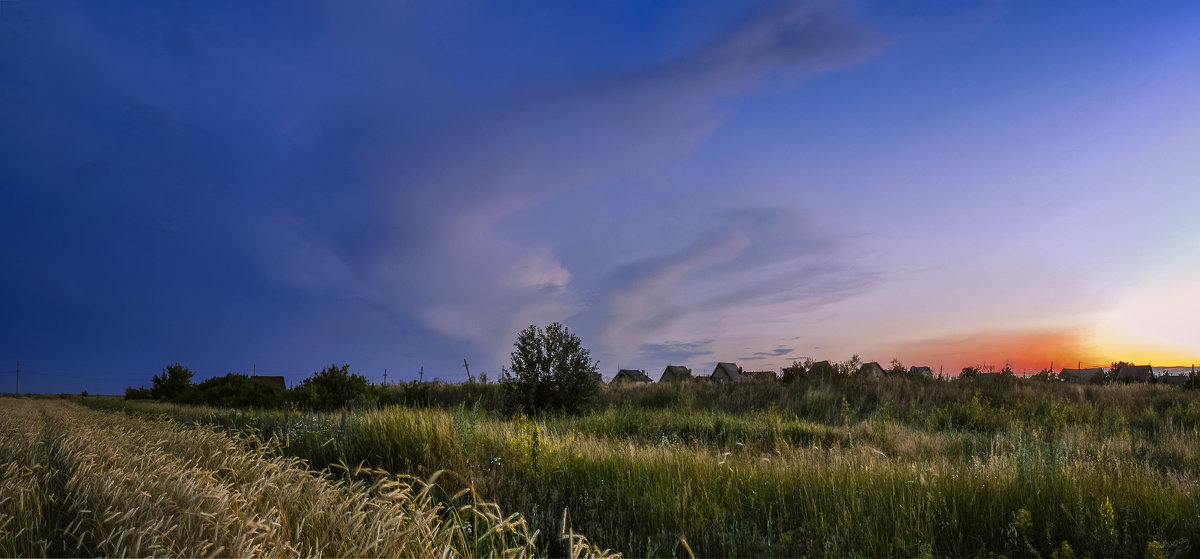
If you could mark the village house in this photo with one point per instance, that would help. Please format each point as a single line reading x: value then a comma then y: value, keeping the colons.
x: 727, y: 372
x: 676, y: 373
x: 630, y: 376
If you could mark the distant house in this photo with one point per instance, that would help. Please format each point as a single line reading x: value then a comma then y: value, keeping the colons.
x: 276, y: 380
x: 1081, y: 376
x: 822, y: 368
x: 1135, y: 373
x: 630, y: 375
x: 872, y: 369
x: 1174, y: 380
x: 676, y: 373
x: 727, y: 372
x: 924, y: 372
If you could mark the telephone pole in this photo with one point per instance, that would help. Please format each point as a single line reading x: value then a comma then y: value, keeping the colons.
x: 18, y: 388
x: 385, y: 375
x: 422, y: 377
x: 468, y: 368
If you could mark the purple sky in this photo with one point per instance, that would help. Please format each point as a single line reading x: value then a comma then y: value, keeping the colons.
x: 402, y: 185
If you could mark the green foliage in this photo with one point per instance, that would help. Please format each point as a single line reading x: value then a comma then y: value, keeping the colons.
x: 141, y: 393
x: 550, y: 370
x: 172, y: 384
x: 969, y: 372
x: 796, y: 371
x: 333, y: 388
x: 897, y: 368
x: 236, y: 390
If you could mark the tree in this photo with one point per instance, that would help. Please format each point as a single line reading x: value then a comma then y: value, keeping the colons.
x: 550, y: 370
x: 970, y: 372
x: 236, y: 390
x: 333, y: 388
x: 172, y: 383
x: 897, y: 368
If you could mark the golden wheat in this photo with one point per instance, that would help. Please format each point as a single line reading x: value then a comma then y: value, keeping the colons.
x: 82, y: 482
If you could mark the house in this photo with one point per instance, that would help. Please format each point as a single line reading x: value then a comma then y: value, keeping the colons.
x: 727, y: 372
x: 872, y: 369
x: 924, y: 372
x: 676, y: 373
x: 822, y: 368
x: 1174, y: 380
x: 1135, y: 373
x: 630, y: 375
x: 275, y: 380
x: 1081, y: 376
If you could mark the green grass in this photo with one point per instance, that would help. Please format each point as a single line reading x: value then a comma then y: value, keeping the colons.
x: 825, y: 467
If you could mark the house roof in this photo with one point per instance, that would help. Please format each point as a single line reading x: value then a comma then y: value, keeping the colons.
x: 631, y: 375
x: 1135, y: 372
x: 1081, y: 376
x: 675, y: 372
x: 1174, y: 380
x: 728, y: 371
x: 920, y: 371
x: 873, y: 368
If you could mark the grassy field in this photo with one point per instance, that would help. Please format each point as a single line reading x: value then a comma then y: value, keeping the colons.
x: 825, y: 467
x: 79, y: 482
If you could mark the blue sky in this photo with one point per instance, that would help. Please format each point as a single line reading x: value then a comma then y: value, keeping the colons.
x: 402, y: 185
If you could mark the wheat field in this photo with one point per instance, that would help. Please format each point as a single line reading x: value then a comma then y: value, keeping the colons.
x: 80, y: 482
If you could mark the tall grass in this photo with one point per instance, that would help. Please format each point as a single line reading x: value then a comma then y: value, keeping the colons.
x: 829, y: 467
x: 85, y: 483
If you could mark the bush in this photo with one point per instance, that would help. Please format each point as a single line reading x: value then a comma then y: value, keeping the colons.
x: 237, y: 391
x: 141, y: 393
x: 172, y: 383
x: 551, y: 370
x: 333, y: 388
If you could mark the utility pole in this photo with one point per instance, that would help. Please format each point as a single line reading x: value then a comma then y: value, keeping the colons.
x: 422, y: 377
x: 468, y: 368
x: 385, y: 375
x: 18, y: 389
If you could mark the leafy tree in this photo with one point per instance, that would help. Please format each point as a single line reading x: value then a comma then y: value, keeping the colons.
x: 796, y: 371
x: 333, y: 388
x: 172, y: 383
x: 897, y: 368
x: 850, y: 366
x: 970, y: 372
x: 550, y: 370
x: 237, y: 391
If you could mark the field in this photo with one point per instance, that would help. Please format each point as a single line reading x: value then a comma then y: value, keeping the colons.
x: 824, y: 467
x: 78, y: 482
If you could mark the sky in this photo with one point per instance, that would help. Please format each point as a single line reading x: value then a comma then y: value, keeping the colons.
x: 274, y: 187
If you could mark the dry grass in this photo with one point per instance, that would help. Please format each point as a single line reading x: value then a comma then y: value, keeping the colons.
x: 76, y: 482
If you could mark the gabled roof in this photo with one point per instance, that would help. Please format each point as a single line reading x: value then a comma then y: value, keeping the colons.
x: 630, y: 375
x: 1135, y: 372
x: 675, y: 373
x: 727, y: 371
x: 1080, y: 376
x: 920, y: 372
x: 872, y: 369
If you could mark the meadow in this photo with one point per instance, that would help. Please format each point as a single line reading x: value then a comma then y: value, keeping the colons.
x: 825, y: 466
x: 76, y: 482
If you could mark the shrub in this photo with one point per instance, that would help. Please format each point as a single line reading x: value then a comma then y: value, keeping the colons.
x: 141, y: 393
x: 550, y: 370
x: 237, y: 390
x: 172, y: 383
x: 333, y: 388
